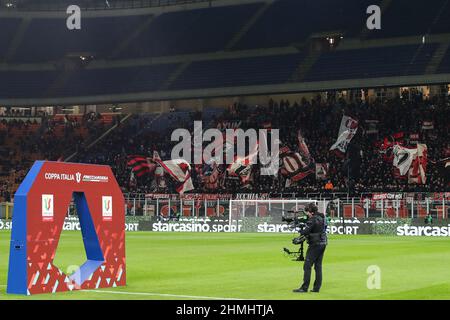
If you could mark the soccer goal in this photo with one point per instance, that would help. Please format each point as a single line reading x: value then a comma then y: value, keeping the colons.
x: 246, y: 215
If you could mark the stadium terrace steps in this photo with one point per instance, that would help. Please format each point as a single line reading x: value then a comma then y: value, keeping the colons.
x: 17, y: 39
x: 238, y: 36
x: 442, y: 25
x: 121, y: 47
x: 8, y: 29
x: 255, y: 25
x: 48, y: 39
x: 291, y: 21
x: 304, y: 66
x: 437, y: 58
x: 238, y: 72
x: 371, y: 63
x: 184, y: 32
x: 421, y: 59
x: 180, y: 69
x: 445, y: 63
x: 403, y: 18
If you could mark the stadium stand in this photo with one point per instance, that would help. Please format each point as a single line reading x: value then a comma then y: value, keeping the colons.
x: 372, y: 62
x: 288, y: 21
x: 258, y: 43
x: 238, y: 72
x: 445, y: 64
x: 160, y: 51
x: 184, y: 32
x: 319, y: 121
x: 7, y: 28
x: 52, y: 138
x: 47, y: 39
x: 404, y: 18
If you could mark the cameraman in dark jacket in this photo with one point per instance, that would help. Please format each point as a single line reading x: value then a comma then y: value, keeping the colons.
x: 315, y: 233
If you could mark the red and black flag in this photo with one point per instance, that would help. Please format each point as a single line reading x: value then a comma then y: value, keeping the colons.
x: 295, y: 166
x: 140, y: 165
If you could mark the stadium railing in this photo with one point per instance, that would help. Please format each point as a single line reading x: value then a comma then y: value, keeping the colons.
x: 340, y: 207
x: 406, y: 208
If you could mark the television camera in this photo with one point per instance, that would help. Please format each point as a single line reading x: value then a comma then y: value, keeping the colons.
x: 296, y: 223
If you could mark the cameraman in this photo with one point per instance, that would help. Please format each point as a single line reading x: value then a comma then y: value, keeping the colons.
x: 315, y: 234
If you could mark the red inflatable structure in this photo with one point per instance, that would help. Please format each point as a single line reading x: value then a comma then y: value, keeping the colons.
x: 40, y: 208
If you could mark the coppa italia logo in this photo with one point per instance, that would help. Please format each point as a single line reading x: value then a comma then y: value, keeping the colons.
x: 77, y: 177
x: 47, y: 207
x: 107, y: 208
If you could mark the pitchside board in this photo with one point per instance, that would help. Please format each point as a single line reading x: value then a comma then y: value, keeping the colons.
x: 40, y: 206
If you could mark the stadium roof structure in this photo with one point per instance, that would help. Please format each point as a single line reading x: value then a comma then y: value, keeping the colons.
x: 61, y: 5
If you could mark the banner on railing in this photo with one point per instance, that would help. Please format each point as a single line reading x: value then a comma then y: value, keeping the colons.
x: 338, y: 226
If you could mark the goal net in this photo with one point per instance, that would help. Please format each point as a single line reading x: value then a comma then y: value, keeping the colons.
x: 253, y: 215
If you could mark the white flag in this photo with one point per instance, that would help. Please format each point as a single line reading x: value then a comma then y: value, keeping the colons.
x: 347, y: 131
x: 403, y: 158
x: 180, y: 171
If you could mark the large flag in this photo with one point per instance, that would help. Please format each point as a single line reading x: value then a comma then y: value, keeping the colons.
x: 140, y: 165
x: 403, y: 158
x: 347, y: 131
x: 386, y: 146
x: 159, y: 181
x: 180, y: 171
x: 210, y: 176
x: 294, y: 166
x: 303, y: 148
x: 242, y: 166
x: 418, y: 169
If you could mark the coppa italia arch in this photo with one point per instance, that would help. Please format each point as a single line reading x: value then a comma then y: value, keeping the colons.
x: 40, y: 208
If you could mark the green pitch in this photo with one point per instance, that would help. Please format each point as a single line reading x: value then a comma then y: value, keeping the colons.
x: 252, y: 266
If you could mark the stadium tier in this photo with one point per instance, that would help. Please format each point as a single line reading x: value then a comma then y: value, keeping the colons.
x: 238, y: 72
x: 372, y: 62
x: 248, y: 71
x: 288, y: 21
x: 445, y: 64
x: 368, y: 166
x: 45, y: 40
x: 167, y: 52
x: 184, y: 32
x: 403, y: 18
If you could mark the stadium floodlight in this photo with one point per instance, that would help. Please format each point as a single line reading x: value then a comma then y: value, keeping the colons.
x: 10, y: 5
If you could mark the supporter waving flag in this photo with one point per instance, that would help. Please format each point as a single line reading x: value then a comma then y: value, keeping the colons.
x: 242, y: 166
x: 210, y: 177
x: 403, y: 158
x: 347, y: 131
x: 386, y: 146
x: 295, y: 166
x: 140, y: 165
x: 418, y: 169
x: 180, y: 171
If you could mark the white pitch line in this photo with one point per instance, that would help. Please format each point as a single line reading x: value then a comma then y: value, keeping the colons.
x: 161, y: 295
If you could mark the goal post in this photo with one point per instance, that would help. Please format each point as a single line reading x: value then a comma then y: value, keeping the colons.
x: 248, y: 215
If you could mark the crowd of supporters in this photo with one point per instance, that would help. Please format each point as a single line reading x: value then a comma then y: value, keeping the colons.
x: 366, y: 167
x: 363, y: 169
x: 22, y: 141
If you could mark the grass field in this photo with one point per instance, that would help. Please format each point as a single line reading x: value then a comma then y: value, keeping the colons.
x: 252, y: 266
